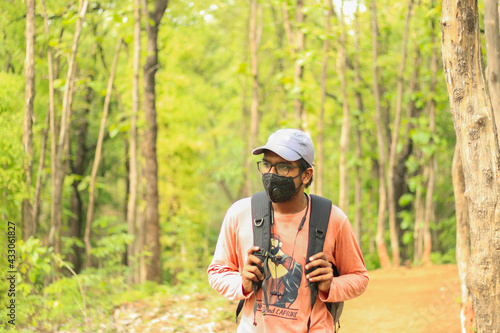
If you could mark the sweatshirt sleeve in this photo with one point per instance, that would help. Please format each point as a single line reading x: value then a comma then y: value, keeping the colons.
x: 353, y: 278
x: 224, y: 270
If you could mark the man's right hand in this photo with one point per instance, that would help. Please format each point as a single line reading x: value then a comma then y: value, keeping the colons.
x: 251, y: 272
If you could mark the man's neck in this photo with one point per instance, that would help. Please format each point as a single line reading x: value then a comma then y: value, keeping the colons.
x: 296, y: 204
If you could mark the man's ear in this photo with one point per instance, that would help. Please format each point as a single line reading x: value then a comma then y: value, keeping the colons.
x: 307, y: 176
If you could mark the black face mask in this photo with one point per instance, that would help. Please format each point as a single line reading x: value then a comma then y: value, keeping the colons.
x: 279, y: 188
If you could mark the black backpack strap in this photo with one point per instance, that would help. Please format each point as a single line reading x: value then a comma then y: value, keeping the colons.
x: 261, y: 225
x: 318, y: 225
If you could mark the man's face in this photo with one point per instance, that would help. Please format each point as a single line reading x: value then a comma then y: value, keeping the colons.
x: 273, y: 158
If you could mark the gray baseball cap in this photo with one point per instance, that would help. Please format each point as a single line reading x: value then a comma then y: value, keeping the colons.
x: 290, y: 144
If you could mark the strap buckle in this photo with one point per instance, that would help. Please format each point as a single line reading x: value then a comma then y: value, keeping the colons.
x: 319, y: 233
x: 258, y: 222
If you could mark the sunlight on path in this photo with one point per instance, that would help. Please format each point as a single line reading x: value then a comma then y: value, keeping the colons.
x: 414, y: 300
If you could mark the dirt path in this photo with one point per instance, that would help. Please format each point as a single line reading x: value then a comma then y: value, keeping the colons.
x: 414, y: 300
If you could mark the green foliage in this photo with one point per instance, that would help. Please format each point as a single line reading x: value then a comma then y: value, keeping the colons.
x: 12, y: 184
x: 203, y: 92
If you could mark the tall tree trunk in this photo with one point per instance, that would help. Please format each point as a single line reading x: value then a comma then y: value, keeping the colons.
x: 358, y: 187
x: 324, y: 72
x: 418, y: 235
x: 300, y: 45
x: 473, y: 117
x: 58, y: 165
x: 97, y: 160
x: 491, y: 27
x: 152, y: 271
x: 254, y: 39
x: 381, y: 143
x: 431, y: 165
x: 401, y: 172
x: 463, y: 242
x: 132, y: 176
x: 41, y: 164
x: 394, y: 142
x: 29, y: 229
x: 52, y: 119
x: 346, y: 125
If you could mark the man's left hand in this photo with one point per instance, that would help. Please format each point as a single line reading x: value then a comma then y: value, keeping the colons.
x: 323, y: 274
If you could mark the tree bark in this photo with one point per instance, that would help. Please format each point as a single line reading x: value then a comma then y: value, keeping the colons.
x: 58, y: 165
x: 38, y: 181
x: 300, y: 45
x: 418, y: 235
x: 152, y: 270
x: 431, y: 164
x: 324, y: 71
x: 473, y: 118
x: 491, y: 28
x: 346, y: 125
x: 97, y: 159
x: 463, y: 241
x: 381, y: 143
x: 29, y: 229
x: 254, y: 39
x: 394, y: 142
x: 401, y: 171
x: 132, y: 249
x: 52, y: 123
x: 358, y: 187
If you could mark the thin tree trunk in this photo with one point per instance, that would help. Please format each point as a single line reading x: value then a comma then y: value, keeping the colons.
x: 431, y: 166
x: 254, y: 39
x: 463, y: 242
x: 381, y: 143
x: 29, y: 229
x: 97, y: 160
x: 288, y: 27
x: 346, y: 125
x: 473, y: 119
x: 300, y: 44
x: 358, y: 187
x: 401, y: 172
x: 324, y: 71
x: 491, y: 28
x: 418, y: 235
x: 58, y: 166
x: 39, y: 172
x: 151, y: 216
x: 394, y: 142
x: 52, y: 121
x: 132, y: 248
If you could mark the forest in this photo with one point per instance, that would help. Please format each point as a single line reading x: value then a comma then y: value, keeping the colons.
x: 127, y: 128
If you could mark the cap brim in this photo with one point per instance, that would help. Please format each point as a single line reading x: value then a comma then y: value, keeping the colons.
x: 283, y: 151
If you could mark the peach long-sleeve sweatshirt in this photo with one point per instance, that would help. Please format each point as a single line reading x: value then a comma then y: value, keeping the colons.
x: 289, y: 304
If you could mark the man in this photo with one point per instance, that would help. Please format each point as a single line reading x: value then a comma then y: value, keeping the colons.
x: 283, y: 302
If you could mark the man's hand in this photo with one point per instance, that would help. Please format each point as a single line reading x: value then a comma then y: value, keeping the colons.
x: 323, y: 274
x: 251, y: 272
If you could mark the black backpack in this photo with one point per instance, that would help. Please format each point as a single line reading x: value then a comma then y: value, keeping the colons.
x: 318, y: 225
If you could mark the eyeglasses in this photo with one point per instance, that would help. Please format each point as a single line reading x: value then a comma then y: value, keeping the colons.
x: 282, y: 169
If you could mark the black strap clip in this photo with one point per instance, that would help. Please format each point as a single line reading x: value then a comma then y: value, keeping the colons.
x: 258, y: 222
x: 319, y: 233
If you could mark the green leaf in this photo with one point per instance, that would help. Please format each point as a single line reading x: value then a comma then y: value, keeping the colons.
x: 407, y: 237
x: 406, y: 199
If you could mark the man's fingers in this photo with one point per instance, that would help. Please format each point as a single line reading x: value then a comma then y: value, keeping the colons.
x: 320, y: 274
x: 252, y: 250
x: 319, y: 255
x: 253, y: 260
x: 253, y: 273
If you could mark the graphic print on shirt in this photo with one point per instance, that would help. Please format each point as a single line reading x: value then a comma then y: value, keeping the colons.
x: 282, y: 286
